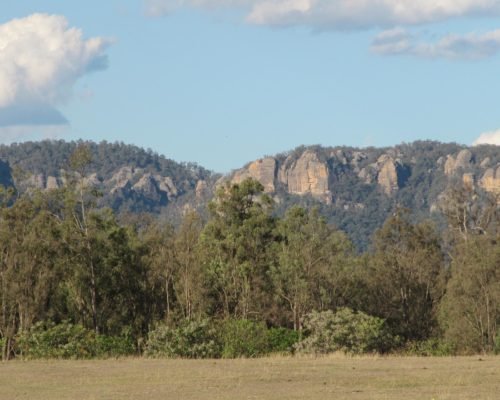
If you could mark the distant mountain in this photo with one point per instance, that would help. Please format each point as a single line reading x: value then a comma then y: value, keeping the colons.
x: 356, y: 189
x: 130, y: 178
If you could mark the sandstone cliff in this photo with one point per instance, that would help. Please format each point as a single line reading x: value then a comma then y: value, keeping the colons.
x: 307, y: 175
x: 491, y: 180
x: 263, y: 170
x: 388, y: 177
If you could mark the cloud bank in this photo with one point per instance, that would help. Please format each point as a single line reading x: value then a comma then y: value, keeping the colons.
x: 492, y: 137
x: 470, y: 46
x: 41, y: 58
x: 338, y: 14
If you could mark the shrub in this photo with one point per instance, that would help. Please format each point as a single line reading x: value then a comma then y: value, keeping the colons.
x: 244, y: 338
x: 70, y: 341
x: 191, y: 339
x: 114, y: 346
x: 48, y: 340
x: 431, y: 347
x: 282, y: 340
x: 346, y: 330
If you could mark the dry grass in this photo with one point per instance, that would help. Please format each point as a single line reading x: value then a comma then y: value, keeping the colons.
x: 269, y: 378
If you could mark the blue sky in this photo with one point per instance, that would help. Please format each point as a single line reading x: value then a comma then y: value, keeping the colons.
x: 223, y: 82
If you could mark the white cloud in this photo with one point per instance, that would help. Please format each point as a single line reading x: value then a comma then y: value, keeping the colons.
x: 338, y: 14
x: 471, y: 46
x: 492, y: 137
x: 41, y: 58
x: 18, y: 133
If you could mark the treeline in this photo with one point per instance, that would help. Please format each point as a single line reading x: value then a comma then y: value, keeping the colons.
x: 76, y: 282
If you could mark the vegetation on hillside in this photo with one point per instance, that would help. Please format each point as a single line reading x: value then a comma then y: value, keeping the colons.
x: 243, y: 283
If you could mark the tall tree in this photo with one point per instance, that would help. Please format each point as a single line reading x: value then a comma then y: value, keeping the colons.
x: 188, y: 284
x: 406, y: 276
x: 79, y: 226
x: 29, y: 274
x: 311, y: 257
x: 235, y: 248
x: 470, y: 311
x: 159, y: 241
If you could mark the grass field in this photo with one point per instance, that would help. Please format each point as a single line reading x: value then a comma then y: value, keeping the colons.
x: 334, y: 377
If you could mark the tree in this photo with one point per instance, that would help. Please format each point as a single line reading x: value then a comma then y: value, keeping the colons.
x: 188, y: 283
x: 406, y: 276
x: 29, y: 273
x: 470, y: 212
x: 78, y: 208
x: 235, y: 247
x: 470, y: 311
x: 310, y: 259
x: 159, y: 240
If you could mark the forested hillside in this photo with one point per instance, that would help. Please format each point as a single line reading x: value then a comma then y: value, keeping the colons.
x: 76, y: 282
x: 355, y: 189
x: 130, y: 179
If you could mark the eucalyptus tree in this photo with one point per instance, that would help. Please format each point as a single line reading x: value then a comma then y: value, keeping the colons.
x: 311, y: 260
x: 235, y: 247
x: 158, y: 241
x: 29, y: 270
x: 470, y: 311
x: 81, y: 224
x: 406, y: 276
x: 188, y: 280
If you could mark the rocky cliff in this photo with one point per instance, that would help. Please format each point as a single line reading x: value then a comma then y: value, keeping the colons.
x: 356, y: 189
x: 312, y: 173
x: 491, y: 180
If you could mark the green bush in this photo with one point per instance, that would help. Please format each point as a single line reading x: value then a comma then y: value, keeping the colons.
x: 191, y: 339
x: 114, y: 346
x: 244, y: 338
x: 497, y: 342
x: 431, y: 347
x: 346, y: 330
x: 69, y: 341
x: 282, y: 340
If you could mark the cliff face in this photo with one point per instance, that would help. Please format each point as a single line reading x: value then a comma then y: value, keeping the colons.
x: 491, y: 180
x: 263, y: 170
x: 309, y: 174
x: 305, y: 175
x: 355, y: 189
x: 388, y: 177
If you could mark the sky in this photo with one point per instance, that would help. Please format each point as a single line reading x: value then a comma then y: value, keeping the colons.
x: 224, y: 82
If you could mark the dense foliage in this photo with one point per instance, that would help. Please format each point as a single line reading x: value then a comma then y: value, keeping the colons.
x: 77, y: 283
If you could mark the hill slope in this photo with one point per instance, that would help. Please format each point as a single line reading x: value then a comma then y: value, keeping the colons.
x: 356, y: 189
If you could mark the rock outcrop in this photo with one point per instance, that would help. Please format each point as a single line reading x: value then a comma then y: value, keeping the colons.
x: 201, y: 188
x: 308, y: 175
x: 52, y: 183
x: 491, y: 180
x: 263, y: 170
x: 155, y: 187
x: 388, y: 174
x: 122, y: 178
x: 36, y: 181
x: 462, y: 161
x: 449, y: 165
x: 468, y: 180
x: 166, y: 185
